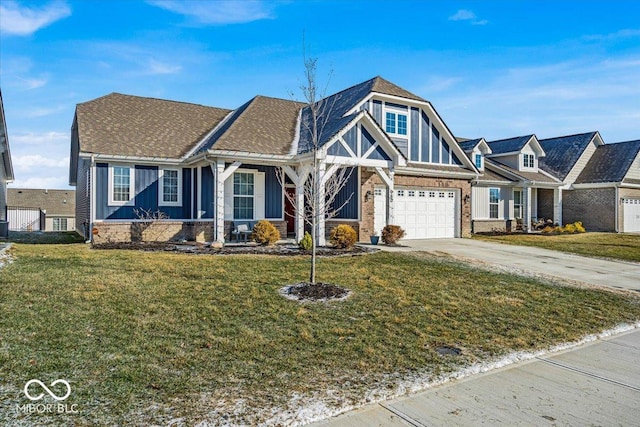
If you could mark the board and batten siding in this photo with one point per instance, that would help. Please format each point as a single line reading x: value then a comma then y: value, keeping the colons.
x: 146, y: 195
x: 348, y: 194
x: 480, y: 202
x: 3, y: 194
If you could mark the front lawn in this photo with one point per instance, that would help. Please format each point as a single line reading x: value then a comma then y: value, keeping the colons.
x: 624, y: 247
x: 155, y: 338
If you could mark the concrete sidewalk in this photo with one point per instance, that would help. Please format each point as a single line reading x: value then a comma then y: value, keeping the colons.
x: 594, y: 271
x: 595, y: 384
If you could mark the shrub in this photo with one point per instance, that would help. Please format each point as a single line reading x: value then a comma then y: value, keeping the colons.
x: 392, y: 233
x: 548, y: 229
x: 306, y: 242
x: 579, y: 227
x: 265, y: 233
x: 343, y: 236
x: 569, y: 228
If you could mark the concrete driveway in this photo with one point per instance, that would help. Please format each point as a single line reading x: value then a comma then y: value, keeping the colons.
x: 595, y: 384
x: 535, y: 261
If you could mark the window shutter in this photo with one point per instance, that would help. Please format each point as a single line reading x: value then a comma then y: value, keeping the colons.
x: 228, y: 198
x: 259, y: 196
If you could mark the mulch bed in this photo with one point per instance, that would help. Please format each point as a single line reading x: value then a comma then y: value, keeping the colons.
x: 319, y: 291
x: 194, y: 248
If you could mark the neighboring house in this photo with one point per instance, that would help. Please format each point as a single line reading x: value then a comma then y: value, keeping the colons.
x: 205, y: 168
x: 506, y: 194
x: 41, y: 210
x: 605, y: 196
x: 6, y: 171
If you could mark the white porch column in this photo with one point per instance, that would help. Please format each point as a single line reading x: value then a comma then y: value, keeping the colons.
x: 557, y: 206
x: 388, y: 180
x: 526, y: 220
x: 219, y: 199
x: 221, y: 175
x: 320, y: 232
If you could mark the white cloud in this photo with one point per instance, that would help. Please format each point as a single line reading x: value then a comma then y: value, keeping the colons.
x: 217, y: 12
x: 42, y: 138
x: 621, y: 34
x: 549, y: 100
x: 157, y: 67
x: 31, y: 162
x: 48, y: 182
x: 24, y: 21
x: 467, y: 15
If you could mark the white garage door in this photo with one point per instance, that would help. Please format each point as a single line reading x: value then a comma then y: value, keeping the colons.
x: 631, y: 215
x: 422, y: 213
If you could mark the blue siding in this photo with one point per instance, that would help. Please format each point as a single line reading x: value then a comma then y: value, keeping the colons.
x: 426, y: 154
x: 379, y: 154
x: 415, y: 133
x: 351, y: 138
x: 366, y: 142
x: 186, y: 193
x: 194, y: 202
x: 337, y: 149
x: 377, y: 111
x: 349, y: 192
x: 397, y: 106
x: 402, y: 145
x: 444, y: 158
x: 435, y: 145
x: 207, y: 192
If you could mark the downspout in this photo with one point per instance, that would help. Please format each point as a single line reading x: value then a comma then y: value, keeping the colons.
x: 92, y: 193
x: 617, y: 209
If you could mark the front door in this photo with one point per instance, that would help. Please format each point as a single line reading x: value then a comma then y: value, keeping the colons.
x: 290, y: 210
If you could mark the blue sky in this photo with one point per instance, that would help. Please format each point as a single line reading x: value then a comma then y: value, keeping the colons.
x: 491, y: 68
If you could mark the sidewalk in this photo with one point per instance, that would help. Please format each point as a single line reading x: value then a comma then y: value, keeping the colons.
x: 595, y: 384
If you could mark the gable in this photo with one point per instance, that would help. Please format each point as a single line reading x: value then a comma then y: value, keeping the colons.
x: 567, y: 155
x: 610, y: 163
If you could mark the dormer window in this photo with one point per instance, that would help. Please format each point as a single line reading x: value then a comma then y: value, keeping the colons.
x: 527, y: 160
x: 396, y: 123
x: 478, y: 161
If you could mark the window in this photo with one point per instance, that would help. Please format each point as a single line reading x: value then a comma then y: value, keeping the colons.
x: 400, y: 193
x: 170, y: 187
x: 527, y: 160
x: 422, y: 194
x: 411, y: 193
x: 479, y: 161
x: 396, y: 123
x: 243, y: 192
x: 121, y: 184
x: 517, y: 204
x: 59, y: 224
x: 494, y: 197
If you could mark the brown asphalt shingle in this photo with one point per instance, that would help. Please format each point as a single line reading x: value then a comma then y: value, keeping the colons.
x: 128, y: 125
x: 265, y: 126
x: 381, y: 85
x: 55, y: 202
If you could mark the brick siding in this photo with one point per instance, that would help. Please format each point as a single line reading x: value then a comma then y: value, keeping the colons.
x: 595, y: 207
x: 545, y: 203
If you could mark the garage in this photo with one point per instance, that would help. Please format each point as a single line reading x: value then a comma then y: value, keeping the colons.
x: 422, y: 213
x: 631, y: 215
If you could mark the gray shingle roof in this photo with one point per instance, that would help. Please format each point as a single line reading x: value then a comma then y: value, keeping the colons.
x: 468, y: 144
x: 509, y: 145
x: 563, y: 152
x: 128, y: 125
x: 529, y: 176
x: 610, y: 163
x: 263, y: 125
x: 338, y: 104
x: 55, y: 202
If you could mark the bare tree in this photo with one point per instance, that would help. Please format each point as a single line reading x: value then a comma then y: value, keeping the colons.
x: 320, y: 185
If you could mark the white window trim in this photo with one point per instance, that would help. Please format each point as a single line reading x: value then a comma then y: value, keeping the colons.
x: 521, y: 204
x: 475, y: 160
x: 386, y: 110
x: 526, y: 166
x: 253, y: 196
x: 132, y: 185
x: 161, y: 201
x: 497, y: 203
